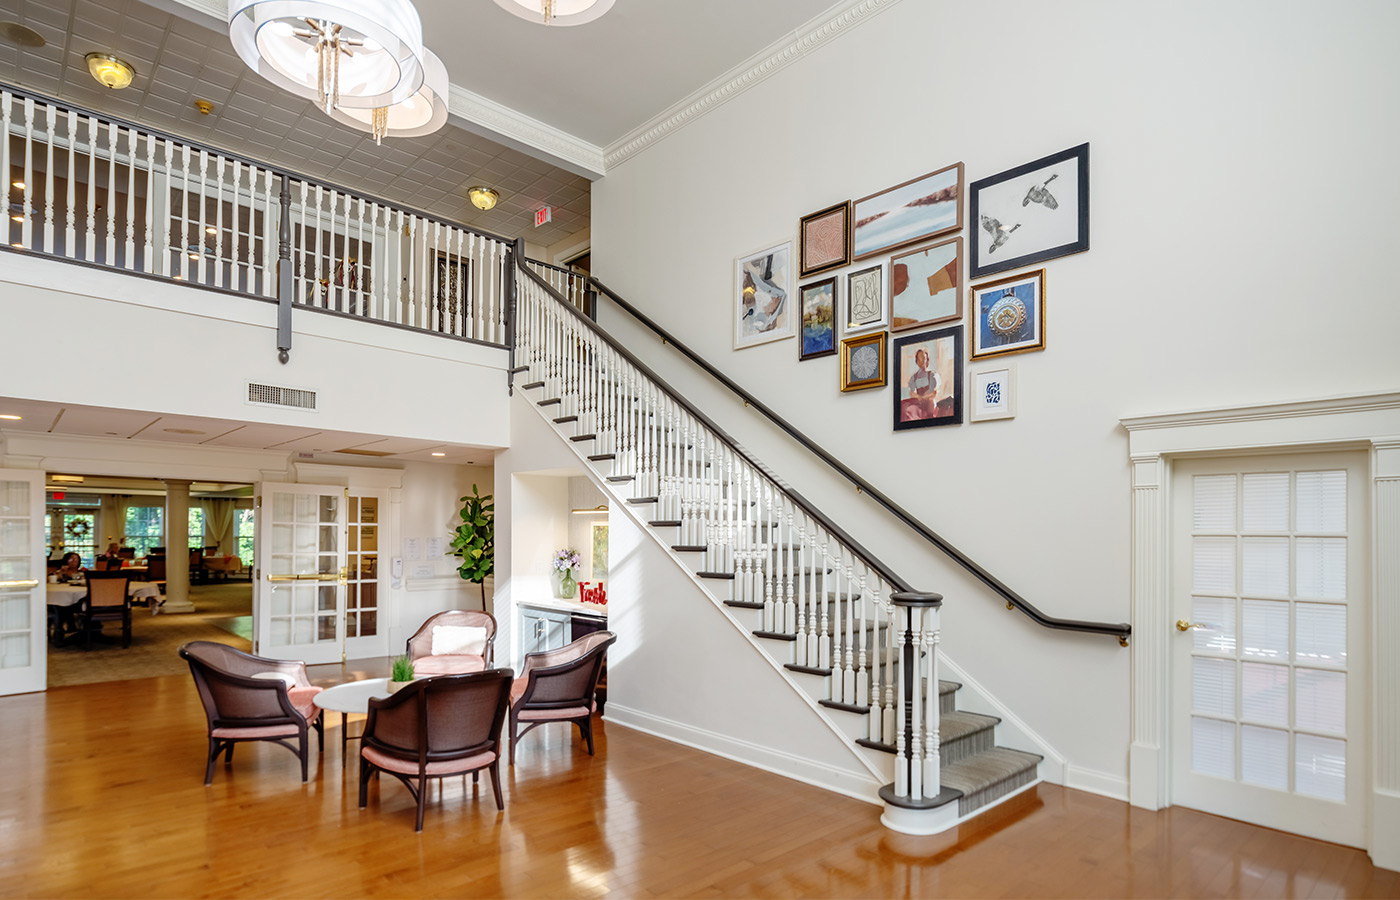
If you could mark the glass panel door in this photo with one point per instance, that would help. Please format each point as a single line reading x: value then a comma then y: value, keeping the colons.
x: 23, y: 665
x: 299, y: 599
x: 366, y: 625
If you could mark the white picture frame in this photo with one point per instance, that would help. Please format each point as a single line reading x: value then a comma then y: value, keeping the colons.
x: 764, y: 306
x: 992, y: 393
x: 865, y: 306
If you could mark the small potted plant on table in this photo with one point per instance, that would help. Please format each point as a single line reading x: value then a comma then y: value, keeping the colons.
x: 400, y: 673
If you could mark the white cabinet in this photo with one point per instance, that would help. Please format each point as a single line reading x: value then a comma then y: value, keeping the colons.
x: 542, y: 629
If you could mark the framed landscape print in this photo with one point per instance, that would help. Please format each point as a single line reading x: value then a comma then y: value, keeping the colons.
x: 928, y: 379
x: 926, y: 206
x: 824, y: 240
x: 1031, y: 213
x: 762, y: 307
x: 818, y: 336
x: 1008, y: 315
x: 863, y: 362
x: 926, y: 286
x: 865, y: 300
x: 993, y: 394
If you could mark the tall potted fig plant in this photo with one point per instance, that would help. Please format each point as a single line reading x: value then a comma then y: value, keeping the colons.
x: 475, y: 540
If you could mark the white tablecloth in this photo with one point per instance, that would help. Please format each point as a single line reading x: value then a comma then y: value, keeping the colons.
x: 70, y: 594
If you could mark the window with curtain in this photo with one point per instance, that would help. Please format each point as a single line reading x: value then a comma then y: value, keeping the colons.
x: 144, y: 528
x: 197, y: 528
x: 245, y: 534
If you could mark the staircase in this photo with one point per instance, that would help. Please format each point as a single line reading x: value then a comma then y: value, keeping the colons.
x: 828, y: 615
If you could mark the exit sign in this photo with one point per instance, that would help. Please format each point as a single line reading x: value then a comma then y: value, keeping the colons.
x: 543, y: 216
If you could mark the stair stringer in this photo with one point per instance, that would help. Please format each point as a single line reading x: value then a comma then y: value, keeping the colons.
x: 1012, y: 731
x: 757, y: 755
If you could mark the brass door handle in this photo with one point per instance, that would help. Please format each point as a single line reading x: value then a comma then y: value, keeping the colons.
x: 326, y: 577
x: 27, y: 583
x: 1183, y: 625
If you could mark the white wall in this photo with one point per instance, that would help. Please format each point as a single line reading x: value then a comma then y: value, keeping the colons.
x: 87, y: 336
x: 1242, y: 163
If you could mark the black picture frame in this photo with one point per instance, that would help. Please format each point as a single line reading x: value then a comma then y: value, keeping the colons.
x: 810, y: 342
x: 811, y: 260
x: 913, y: 408
x: 1019, y: 210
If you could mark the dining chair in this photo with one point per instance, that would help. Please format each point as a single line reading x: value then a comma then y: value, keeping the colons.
x: 249, y: 698
x: 106, y: 601
x: 453, y: 643
x: 558, y: 686
x: 126, y: 552
x: 434, y: 728
x: 112, y: 563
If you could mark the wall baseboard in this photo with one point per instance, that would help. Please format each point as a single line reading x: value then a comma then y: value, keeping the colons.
x: 1096, y: 782
x: 765, y: 758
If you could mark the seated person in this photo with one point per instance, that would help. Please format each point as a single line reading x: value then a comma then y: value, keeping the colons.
x: 72, y: 568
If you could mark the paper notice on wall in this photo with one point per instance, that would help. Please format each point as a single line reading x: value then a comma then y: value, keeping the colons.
x: 412, y: 548
x: 434, y: 548
x: 423, y: 570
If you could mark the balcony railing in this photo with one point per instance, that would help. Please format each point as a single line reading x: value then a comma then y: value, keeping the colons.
x: 101, y: 191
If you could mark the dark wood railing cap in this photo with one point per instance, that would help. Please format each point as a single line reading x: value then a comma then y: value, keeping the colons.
x: 916, y: 598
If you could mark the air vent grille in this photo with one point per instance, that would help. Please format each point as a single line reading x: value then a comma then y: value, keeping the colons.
x: 272, y: 395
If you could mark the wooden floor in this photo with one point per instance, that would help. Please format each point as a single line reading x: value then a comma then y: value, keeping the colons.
x: 103, y: 797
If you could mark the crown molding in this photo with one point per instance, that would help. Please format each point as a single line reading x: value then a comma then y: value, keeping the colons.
x: 1265, y: 411
x: 769, y: 61
x: 515, y: 129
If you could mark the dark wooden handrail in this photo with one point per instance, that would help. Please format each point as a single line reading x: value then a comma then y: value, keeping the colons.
x: 228, y: 154
x: 1014, y: 600
x: 677, y: 397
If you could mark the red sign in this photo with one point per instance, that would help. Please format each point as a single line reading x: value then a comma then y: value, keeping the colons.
x: 59, y: 495
x: 542, y: 216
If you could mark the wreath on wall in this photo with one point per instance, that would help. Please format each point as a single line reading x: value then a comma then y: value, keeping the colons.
x: 78, y: 529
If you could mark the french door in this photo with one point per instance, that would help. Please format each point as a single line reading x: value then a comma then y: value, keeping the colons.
x: 1270, y: 654
x: 23, y: 660
x: 318, y: 591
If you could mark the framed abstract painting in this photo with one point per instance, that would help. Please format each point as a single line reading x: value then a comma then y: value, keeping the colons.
x: 824, y: 240
x: 865, y: 300
x: 926, y: 286
x: 928, y: 379
x: 863, y: 361
x: 1031, y: 213
x: 762, y: 307
x: 992, y: 394
x: 917, y: 209
x: 818, y: 319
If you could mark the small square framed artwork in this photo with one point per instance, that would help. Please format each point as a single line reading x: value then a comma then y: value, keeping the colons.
x: 926, y: 286
x: 863, y: 361
x: 1008, y: 315
x: 824, y: 240
x: 928, y: 379
x: 818, y: 336
x: 865, y: 300
x: 992, y: 394
x: 762, y: 307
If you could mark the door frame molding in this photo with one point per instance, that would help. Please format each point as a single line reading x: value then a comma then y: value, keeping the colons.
x: 1369, y: 422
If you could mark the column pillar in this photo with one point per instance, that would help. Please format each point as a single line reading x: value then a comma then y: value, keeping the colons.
x: 1385, y: 632
x: 1146, y: 755
x: 177, y: 547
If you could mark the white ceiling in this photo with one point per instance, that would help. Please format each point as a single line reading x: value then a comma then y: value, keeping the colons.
x: 124, y: 424
x: 600, y: 80
x: 177, y: 61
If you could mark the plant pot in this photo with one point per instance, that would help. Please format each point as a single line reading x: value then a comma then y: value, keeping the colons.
x: 567, y: 586
x: 396, y: 686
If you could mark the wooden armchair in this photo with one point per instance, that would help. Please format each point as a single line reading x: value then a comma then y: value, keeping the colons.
x: 249, y: 698
x: 558, y: 686
x: 449, y: 725
x: 107, y: 601
x: 453, y: 643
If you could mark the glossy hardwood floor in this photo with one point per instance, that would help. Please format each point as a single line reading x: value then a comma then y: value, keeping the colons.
x: 103, y: 797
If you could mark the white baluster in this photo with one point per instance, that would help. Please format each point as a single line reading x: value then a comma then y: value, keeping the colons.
x: 166, y: 213
x: 901, y: 759
x: 185, y: 214
x: 201, y: 232
x: 864, y: 630
x: 90, y: 238
x: 848, y: 688
x: 6, y: 100
x: 111, y: 258
x: 916, y: 709
x: 70, y: 236
x: 49, y: 128
x: 271, y: 234
x: 148, y: 259
x: 932, y: 776
x: 26, y: 230
x: 892, y: 617
x: 241, y: 274
x: 362, y: 262
x: 219, y: 278
x: 133, y: 147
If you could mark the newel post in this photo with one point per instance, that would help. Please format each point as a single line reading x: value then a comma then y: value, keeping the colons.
x: 284, y: 271
x: 917, y: 802
x: 514, y: 254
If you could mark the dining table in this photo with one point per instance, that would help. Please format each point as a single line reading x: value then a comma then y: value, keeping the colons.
x: 63, y: 597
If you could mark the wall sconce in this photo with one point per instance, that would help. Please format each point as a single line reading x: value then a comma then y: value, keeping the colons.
x: 595, y: 511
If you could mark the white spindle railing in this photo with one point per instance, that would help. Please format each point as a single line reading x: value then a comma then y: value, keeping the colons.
x: 114, y: 194
x: 808, y: 581
x: 571, y: 285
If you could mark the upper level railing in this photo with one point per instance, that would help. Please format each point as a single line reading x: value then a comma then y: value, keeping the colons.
x: 572, y: 286
x: 98, y: 190
x: 1120, y: 630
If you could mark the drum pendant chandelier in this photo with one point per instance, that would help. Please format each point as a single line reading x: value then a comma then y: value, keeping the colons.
x: 361, y: 55
x: 423, y: 113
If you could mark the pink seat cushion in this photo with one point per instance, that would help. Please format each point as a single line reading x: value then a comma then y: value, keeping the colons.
x: 257, y: 731
x: 441, y: 767
x: 448, y: 665
x: 302, y: 702
x: 548, y: 715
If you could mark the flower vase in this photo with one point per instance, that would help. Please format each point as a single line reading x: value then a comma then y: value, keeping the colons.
x: 567, y: 586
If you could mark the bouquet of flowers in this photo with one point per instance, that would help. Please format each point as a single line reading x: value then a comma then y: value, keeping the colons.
x: 567, y: 561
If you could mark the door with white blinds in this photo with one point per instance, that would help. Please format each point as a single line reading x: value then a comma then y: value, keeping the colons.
x: 1270, y: 601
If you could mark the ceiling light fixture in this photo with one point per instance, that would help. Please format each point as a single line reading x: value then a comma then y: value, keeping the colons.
x: 439, y: 454
x: 21, y: 35
x: 110, y: 71
x: 482, y: 198
x: 17, y: 184
x: 66, y: 479
x: 353, y: 54
x: 204, y: 106
x: 423, y: 113
x: 11, y: 416
x: 556, y: 12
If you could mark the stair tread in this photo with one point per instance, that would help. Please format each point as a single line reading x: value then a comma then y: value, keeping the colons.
x: 532, y: 385
x: 845, y: 707
x: 602, y: 457
x: 583, y: 437
x: 518, y: 369
x: 720, y: 575
x: 665, y: 523
x: 807, y: 670
x: 692, y: 548
x: 550, y: 402
x: 641, y: 500
x: 776, y: 636
x: 743, y: 604
x: 957, y: 724
x: 619, y: 479
x: 560, y: 420
x: 985, y: 769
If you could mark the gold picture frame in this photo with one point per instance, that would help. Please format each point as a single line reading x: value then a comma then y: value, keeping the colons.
x: 860, y: 370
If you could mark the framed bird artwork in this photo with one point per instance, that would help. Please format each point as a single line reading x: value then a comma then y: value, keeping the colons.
x: 1031, y: 213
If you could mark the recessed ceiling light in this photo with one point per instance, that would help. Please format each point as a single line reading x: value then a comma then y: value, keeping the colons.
x: 439, y: 454
x: 10, y: 416
x: 183, y: 431
x: 21, y: 35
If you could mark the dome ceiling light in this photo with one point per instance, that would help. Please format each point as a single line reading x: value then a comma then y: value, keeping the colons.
x: 556, y: 12
x: 21, y: 35
x: 483, y: 198
x: 110, y: 71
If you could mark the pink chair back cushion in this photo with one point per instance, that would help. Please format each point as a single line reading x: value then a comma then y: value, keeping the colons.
x: 259, y: 731
x: 448, y: 665
x: 458, y: 640
x: 302, y: 702
x: 441, y: 767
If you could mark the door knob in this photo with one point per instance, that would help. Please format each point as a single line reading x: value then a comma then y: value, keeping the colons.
x: 1183, y: 625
